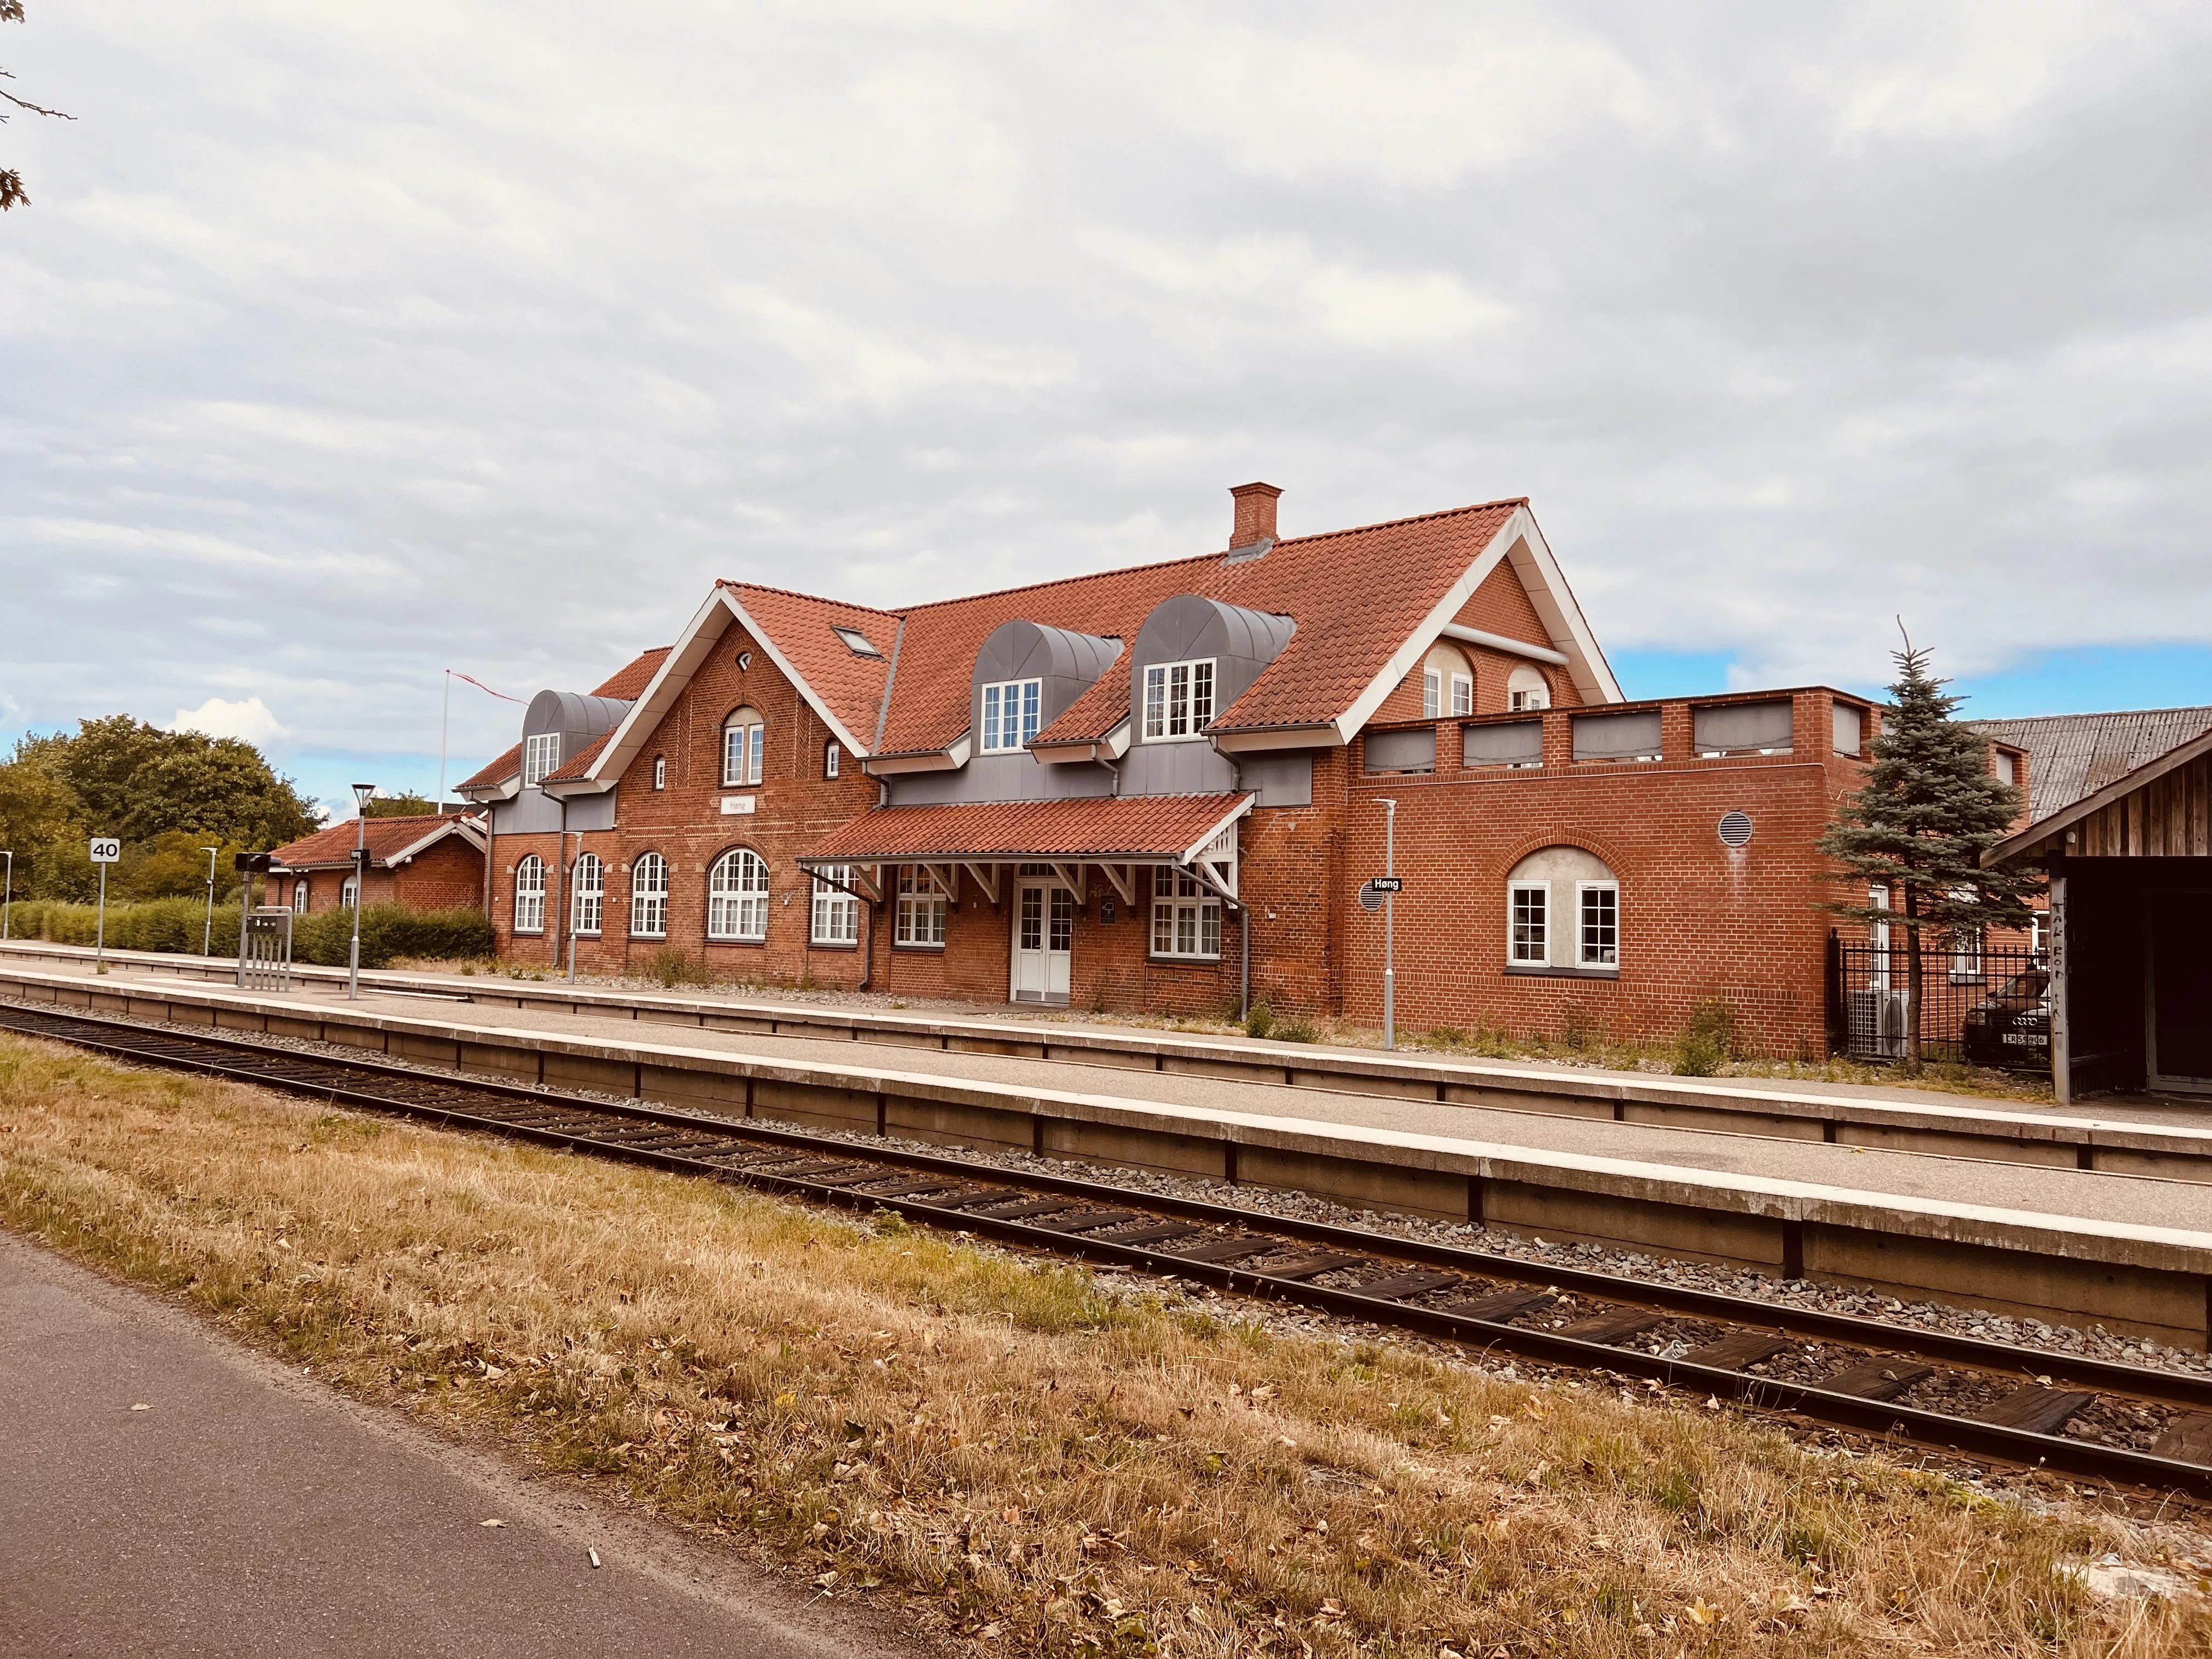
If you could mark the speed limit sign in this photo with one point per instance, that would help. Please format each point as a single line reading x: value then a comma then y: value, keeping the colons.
x: 105, y: 849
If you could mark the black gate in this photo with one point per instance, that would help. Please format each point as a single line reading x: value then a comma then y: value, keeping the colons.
x: 1989, y: 1005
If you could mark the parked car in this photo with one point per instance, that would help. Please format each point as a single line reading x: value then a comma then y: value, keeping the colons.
x: 2012, y: 1025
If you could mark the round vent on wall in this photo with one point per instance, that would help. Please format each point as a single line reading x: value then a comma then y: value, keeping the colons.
x: 1735, y: 829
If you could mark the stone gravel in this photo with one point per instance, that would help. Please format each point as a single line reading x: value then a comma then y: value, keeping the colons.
x: 2094, y: 1342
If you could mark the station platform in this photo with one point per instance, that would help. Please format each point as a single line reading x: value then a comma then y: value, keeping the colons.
x: 2124, y: 1248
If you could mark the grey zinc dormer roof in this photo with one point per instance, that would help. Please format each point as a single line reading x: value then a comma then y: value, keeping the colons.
x: 2070, y: 756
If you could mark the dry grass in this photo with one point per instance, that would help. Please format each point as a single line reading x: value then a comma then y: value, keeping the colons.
x: 1026, y: 1460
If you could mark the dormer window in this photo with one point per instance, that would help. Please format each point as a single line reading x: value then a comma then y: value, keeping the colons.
x: 856, y: 642
x: 541, y: 755
x: 1009, y: 714
x: 1527, y: 689
x: 1178, y: 699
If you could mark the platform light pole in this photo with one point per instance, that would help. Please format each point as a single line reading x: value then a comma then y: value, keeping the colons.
x: 1390, y: 927
x: 207, y: 931
x: 362, y: 794
x: 7, y: 904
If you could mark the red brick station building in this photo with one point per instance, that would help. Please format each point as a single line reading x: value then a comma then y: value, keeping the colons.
x: 1161, y: 789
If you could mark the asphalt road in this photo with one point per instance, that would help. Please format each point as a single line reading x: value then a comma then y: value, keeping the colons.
x: 163, y: 1491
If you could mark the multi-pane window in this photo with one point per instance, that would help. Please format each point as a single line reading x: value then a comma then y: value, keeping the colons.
x: 1528, y: 905
x: 1432, y: 694
x: 736, y: 896
x: 348, y: 891
x: 660, y: 771
x: 300, y: 896
x: 922, y: 903
x: 832, y: 758
x: 1525, y: 688
x: 836, y: 911
x: 590, y: 895
x: 540, y: 755
x: 744, y: 737
x: 1178, y: 698
x: 1186, y: 915
x: 648, y: 896
x: 530, y: 895
x: 1010, y: 713
x: 1462, y: 690
x: 1597, y: 939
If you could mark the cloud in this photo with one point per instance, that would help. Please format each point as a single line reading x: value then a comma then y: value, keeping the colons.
x: 343, y: 348
x: 250, y: 720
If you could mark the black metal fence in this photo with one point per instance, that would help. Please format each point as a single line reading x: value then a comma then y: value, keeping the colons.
x: 1989, y: 1005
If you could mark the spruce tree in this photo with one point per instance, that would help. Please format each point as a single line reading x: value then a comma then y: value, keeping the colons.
x: 1918, y: 826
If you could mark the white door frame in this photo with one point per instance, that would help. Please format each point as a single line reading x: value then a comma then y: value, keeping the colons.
x: 1047, y: 886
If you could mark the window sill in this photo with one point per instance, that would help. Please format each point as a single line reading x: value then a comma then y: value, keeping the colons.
x: 1532, y: 971
x: 920, y: 949
x: 713, y: 940
x: 1184, y: 962
x: 831, y: 944
x: 648, y: 939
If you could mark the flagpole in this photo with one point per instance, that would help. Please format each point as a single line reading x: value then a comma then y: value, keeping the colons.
x: 445, y: 720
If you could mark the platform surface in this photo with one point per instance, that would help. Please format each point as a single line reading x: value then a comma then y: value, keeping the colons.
x: 1906, y: 1180
x: 248, y: 1510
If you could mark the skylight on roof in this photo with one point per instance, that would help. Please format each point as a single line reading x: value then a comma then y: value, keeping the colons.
x: 856, y: 642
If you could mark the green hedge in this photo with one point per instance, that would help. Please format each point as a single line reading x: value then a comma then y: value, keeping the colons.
x: 388, y: 931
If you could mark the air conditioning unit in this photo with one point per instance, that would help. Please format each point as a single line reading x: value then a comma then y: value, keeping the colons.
x: 1878, y: 1022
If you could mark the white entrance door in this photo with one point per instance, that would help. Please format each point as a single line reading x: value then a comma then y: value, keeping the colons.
x: 1044, y: 941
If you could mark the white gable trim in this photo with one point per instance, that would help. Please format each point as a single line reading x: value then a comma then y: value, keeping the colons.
x: 1563, y: 620
x: 692, y: 648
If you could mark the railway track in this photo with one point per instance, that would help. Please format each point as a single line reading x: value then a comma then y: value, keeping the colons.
x: 2130, y: 1424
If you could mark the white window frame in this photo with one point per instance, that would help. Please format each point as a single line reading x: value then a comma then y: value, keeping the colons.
x: 660, y: 771
x: 1601, y: 953
x: 1432, y: 694
x: 737, y: 897
x: 834, y: 918
x: 299, y: 891
x: 348, y: 890
x: 923, y: 906
x: 1179, y: 700
x: 743, y: 743
x: 541, y: 757
x: 1529, y: 941
x: 833, y: 758
x: 648, y: 899
x: 1462, y: 695
x: 530, y: 894
x: 587, y: 913
x: 1185, y: 917
x: 1008, y: 715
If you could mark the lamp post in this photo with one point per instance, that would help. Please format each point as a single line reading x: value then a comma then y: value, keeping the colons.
x: 1389, y: 924
x: 7, y: 904
x: 362, y: 794
x: 207, y: 933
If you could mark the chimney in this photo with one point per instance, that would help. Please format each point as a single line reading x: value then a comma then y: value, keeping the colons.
x: 1254, y: 530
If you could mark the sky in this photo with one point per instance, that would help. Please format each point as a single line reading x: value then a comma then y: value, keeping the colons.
x: 340, y: 346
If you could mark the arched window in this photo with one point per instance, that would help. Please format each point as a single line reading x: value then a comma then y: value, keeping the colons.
x: 743, y: 735
x: 1562, y: 913
x: 590, y: 883
x: 530, y: 895
x: 648, y: 896
x: 300, y: 896
x: 1447, y: 684
x: 736, y: 896
x: 1526, y: 688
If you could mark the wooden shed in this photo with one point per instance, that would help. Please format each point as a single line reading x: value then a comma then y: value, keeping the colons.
x: 2130, y: 867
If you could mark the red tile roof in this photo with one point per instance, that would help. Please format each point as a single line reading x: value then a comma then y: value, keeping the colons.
x: 498, y: 772
x: 1133, y: 827
x: 387, y: 838
x: 580, y: 764
x: 1356, y: 594
x: 801, y: 627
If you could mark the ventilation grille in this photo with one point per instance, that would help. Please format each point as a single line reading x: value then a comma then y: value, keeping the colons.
x: 1735, y: 829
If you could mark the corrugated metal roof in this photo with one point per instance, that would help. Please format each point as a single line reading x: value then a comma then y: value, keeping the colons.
x: 2072, y: 755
